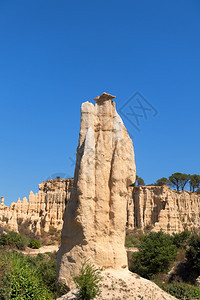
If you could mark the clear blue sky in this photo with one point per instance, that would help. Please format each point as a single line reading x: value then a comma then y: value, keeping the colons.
x: 57, y: 54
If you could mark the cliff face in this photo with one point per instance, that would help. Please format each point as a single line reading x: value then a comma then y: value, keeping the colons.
x: 163, y: 208
x: 44, y: 209
x: 157, y: 207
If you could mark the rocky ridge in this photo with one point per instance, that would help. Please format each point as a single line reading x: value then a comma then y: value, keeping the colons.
x: 43, y: 210
x: 156, y: 207
x: 159, y: 207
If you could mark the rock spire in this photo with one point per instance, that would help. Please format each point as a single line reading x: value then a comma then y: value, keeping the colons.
x: 96, y: 213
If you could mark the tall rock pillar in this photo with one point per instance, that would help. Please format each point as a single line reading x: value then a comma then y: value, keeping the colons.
x: 95, y: 216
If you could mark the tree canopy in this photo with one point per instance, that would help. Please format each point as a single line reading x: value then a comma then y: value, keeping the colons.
x: 194, y: 182
x: 179, y: 180
x: 156, y: 254
x: 162, y: 181
x: 139, y: 181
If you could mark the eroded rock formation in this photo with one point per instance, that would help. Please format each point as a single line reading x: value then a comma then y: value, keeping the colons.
x: 147, y: 206
x: 159, y: 207
x: 44, y: 209
x: 95, y: 216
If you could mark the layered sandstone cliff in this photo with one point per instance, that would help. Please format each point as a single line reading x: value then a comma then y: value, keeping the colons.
x: 95, y: 216
x: 44, y: 209
x: 160, y: 207
x: 147, y: 206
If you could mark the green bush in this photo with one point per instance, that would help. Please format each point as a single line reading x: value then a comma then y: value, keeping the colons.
x: 25, y: 277
x: 131, y: 241
x: 47, y: 271
x: 14, y: 240
x: 182, y: 290
x: 198, y: 191
x: 133, y: 238
x: 193, y: 252
x: 180, y: 240
x: 156, y: 254
x: 88, y: 281
x: 35, y: 244
x: 20, y: 278
x: 52, y: 230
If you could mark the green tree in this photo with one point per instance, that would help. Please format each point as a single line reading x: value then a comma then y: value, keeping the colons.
x: 139, y: 181
x: 193, y: 253
x: 198, y: 191
x: 179, y: 180
x: 181, y: 240
x: 156, y: 254
x: 194, y: 182
x: 162, y: 181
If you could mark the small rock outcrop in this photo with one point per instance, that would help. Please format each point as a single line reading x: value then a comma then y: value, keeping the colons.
x: 118, y: 285
x: 95, y: 216
x: 43, y: 210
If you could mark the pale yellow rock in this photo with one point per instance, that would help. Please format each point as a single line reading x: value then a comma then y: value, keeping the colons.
x: 156, y: 207
x: 43, y: 210
x: 122, y: 284
x: 95, y: 216
x: 163, y: 208
x: 2, y: 200
x: 104, y: 97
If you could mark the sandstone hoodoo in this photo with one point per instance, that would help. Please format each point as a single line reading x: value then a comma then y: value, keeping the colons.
x: 96, y: 213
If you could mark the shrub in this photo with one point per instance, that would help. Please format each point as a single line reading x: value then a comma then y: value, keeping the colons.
x: 193, y: 253
x: 180, y: 240
x: 14, y: 240
x: 156, y: 254
x: 50, y: 243
x: 47, y: 271
x: 20, y: 278
x: 52, y: 230
x: 131, y: 241
x: 198, y: 191
x: 148, y: 228
x: 35, y: 244
x: 133, y: 238
x: 181, y: 290
x: 87, y: 281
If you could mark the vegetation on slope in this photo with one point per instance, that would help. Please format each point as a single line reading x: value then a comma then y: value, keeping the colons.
x: 158, y: 252
x: 25, y: 277
x: 18, y: 241
x: 87, y: 281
